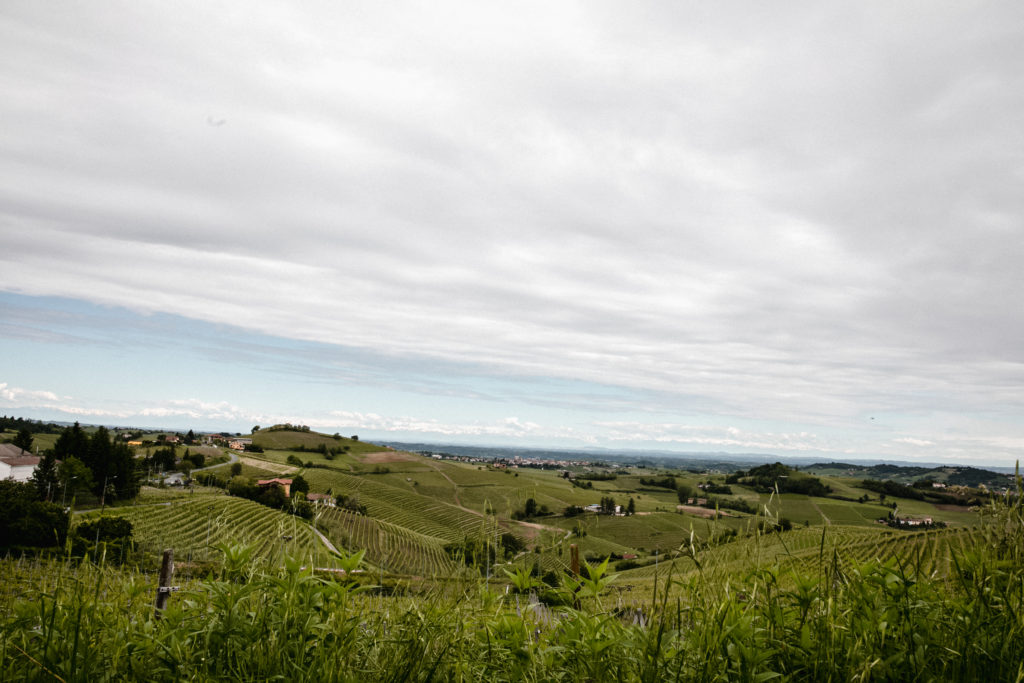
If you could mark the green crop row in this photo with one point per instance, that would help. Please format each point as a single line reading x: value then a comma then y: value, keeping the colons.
x: 193, y: 527
x: 388, y: 546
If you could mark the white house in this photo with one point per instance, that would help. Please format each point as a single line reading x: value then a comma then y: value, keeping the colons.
x: 15, y: 463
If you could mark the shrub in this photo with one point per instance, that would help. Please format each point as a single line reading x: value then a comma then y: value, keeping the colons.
x: 27, y: 521
x: 114, y: 532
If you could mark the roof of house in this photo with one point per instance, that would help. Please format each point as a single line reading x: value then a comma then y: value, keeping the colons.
x: 16, y: 457
x: 265, y: 482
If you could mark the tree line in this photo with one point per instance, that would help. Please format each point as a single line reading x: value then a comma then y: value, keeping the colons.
x: 80, y: 461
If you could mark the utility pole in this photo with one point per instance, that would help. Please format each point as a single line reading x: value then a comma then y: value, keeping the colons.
x: 64, y: 497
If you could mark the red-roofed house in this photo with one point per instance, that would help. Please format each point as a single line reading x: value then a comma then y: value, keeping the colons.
x: 321, y: 500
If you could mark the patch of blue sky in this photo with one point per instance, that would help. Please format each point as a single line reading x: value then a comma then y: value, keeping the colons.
x: 72, y: 347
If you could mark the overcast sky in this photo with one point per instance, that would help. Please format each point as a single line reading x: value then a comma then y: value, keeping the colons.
x: 790, y: 228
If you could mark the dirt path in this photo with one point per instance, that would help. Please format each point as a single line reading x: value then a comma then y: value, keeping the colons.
x: 327, y: 541
x: 232, y: 458
x: 124, y: 507
x: 815, y: 506
x: 452, y: 482
x: 276, y: 468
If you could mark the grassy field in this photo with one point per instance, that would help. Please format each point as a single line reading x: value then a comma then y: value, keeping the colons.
x: 40, y: 441
x: 831, y: 602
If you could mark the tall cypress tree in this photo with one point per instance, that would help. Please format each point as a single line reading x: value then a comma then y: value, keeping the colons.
x: 125, y: 473
x: 98, y: 459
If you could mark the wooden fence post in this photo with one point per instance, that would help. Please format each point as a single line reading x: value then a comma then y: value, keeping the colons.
x: 574, y: 559
x: 164, y: 590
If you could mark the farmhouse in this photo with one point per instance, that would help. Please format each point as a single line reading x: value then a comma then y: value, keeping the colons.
x: 286, y: 484
x: 321, y: 500
x: 15, y: 463
x: 914, y: 521
x: 239, y: 444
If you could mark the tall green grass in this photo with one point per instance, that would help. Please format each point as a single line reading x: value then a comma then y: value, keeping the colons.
x: 839, y: 619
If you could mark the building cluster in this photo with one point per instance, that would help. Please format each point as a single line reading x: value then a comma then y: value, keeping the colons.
x: 15, y: 463
x: 516, y: 462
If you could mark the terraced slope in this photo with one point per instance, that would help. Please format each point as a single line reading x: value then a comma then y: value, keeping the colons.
x: 191, y: 527
x: 422, y: 514
x: 844, y: 546
x: 388, y: 546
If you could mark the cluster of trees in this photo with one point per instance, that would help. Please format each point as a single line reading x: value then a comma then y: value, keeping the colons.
x: 17, y: 424
x: 286, y: 427
x: 597, y: 476
x: 115, y: 533
x: 922, y: 490
x: 481, y: 551
x: 531, y: 509
x: 767, y: 478
x: 94, y: 463
x: 350, y: 503
x: 892, y: 488
x: 607, y: 506
x: 329, y: 452
x: 782, y: 524
x: 737, y: 504
x: 211, y: 479
x: 196, y: 460
x: 668, y: 482
x: 165, y: 459
x: 684, y: 492
x: 273, y: 496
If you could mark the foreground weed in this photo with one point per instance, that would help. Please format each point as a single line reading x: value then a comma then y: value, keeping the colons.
x: 759, y: 621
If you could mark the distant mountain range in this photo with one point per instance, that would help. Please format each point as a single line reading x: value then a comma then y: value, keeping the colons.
x: 718, y: 461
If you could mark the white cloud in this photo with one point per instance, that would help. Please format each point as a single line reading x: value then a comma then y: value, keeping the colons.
x: 18, y: 395
x: 915, y: 442
x: 507, y: 427
x: 714, y: 437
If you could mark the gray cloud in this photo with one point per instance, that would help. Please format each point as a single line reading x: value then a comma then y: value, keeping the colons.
x: 802, y: 213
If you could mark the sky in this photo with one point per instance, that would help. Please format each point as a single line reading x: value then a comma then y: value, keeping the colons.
x: 784, y: 228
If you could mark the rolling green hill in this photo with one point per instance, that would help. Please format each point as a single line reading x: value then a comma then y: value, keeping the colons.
x: 415, y: 506
x: 294, y: 440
